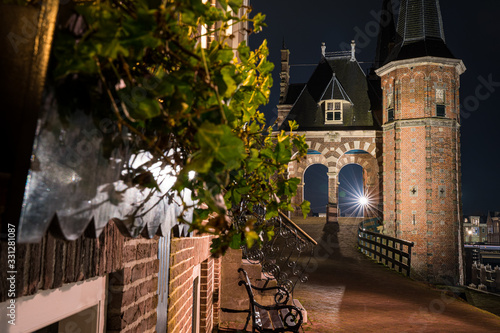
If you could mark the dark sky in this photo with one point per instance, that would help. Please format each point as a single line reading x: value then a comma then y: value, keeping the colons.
x: 472, y: 33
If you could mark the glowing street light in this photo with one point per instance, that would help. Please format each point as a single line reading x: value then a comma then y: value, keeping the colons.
x: 363, y: 201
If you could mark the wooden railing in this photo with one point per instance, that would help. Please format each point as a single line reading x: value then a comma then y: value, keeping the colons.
x: 393, y: 252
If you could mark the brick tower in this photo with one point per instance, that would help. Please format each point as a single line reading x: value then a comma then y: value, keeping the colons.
x: 420, y: 81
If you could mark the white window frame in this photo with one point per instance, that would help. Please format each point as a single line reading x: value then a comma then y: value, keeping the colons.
x: 331, y: 106
x: 50, y: 306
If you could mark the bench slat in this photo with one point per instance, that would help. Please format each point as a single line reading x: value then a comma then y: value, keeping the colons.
x: 284, y: 312
x: 276, y: 319
x: 264, y: 317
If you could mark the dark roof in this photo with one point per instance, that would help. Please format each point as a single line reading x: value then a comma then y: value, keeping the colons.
x: 419, y: 19
x: 422, y: 48
x: 493, y: 214
x: 420, y: 31
x: 293, y: 92
x: 387, y: 36
x: 337, y: 78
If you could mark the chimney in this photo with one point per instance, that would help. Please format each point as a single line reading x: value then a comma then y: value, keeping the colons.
x: 285, y: 73
x: 353, y: 50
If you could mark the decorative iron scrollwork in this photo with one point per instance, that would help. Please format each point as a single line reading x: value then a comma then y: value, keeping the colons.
x: 285, y: 257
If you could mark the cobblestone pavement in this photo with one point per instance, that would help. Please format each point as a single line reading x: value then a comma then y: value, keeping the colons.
x: 347, y: 292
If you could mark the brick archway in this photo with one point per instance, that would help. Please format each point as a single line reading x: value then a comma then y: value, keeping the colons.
x: 371, y: 178
x: 331, y: 150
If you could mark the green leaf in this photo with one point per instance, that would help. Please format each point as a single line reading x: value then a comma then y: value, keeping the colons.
x: 282, y: 154
x: 235, y: 5
x: 305, y: 206
x: 219, y: 142
x: 228, y: 77
x: 243, y: 52
x: 251, y: 237
x: 235, y: 243
x: 258, y: 22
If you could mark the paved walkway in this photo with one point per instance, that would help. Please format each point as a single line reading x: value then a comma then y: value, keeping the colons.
x: 347, y: 292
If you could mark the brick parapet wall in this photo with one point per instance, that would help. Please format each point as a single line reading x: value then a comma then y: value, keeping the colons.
x: 132, y: 292
x: 132, y: 266
x: 185, y: 255
x: 53, y: 262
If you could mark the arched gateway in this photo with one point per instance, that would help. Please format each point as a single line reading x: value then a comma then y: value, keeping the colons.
x: 335, y: 156
x: 401, y: 123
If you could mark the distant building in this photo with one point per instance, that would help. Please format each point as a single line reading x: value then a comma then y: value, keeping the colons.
x: 475, y: 230
x: 493, y: 223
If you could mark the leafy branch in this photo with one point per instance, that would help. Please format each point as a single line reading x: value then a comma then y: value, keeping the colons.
x: 193, y: 109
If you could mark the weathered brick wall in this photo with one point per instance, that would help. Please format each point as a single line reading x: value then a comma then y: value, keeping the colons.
x: 185, y: 255
x: 132, y: 266
x: 132, y: 292
x: 422, y: 199
x: 54, y: 262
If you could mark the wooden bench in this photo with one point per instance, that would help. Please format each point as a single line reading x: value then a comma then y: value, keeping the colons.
x: 278, y: 317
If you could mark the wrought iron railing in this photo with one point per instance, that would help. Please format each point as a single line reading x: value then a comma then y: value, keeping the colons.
x: 338, y: 54
x: 393, y: 252
x: 286, y: 256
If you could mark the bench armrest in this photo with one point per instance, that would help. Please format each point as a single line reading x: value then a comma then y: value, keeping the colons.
x: 291, y: 315
x: 281, y: 297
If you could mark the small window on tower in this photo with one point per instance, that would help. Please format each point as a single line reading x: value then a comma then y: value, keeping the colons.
x: 390, y: 114
x: 440, y: 111
x: 440, y: 103
x: 338, y: 106
x: 329, y: 106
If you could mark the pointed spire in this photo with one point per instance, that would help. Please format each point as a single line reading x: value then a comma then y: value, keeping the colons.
x: 387, y: 37
x: 323, y: 49
x: 420, y: 31
x: 420, y: 19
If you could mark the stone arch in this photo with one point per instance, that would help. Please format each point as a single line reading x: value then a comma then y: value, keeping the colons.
x: 371, y: 177
x: 298, y: 170
x: 328, y: 149
x: 315, y: 194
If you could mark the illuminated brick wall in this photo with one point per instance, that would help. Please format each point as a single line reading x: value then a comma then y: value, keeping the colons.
x: 421, y: 161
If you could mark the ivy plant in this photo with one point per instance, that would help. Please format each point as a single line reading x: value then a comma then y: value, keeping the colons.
x: 193, y: 107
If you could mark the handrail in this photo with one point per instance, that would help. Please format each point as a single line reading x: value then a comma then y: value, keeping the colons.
x: 372, y: 245
x: 402, y: 241
x: 287, y: 220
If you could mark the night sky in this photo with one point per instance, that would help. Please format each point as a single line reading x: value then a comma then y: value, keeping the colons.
x: 472, y: 33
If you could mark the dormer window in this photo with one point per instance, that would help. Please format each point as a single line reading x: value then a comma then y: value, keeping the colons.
x: 333, y: 111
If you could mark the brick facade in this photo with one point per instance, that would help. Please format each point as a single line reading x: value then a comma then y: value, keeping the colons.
x: 421, y: 156
x: 187, y: 256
